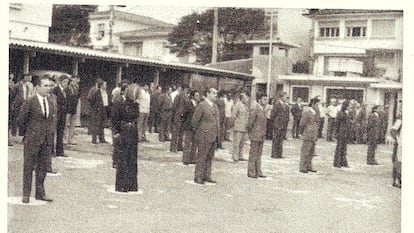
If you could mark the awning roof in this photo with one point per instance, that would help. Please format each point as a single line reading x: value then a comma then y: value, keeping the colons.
x: 116, y: 57
x: 387, y: 85
x: 279, y: 43
x: 328, y: 79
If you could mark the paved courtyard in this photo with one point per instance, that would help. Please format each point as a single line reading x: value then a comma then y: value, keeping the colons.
x: 355, y: 199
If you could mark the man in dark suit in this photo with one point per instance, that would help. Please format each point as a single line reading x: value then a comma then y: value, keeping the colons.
x: 373, y: 134
x: 61, y: 104
x: 256, y: 128
x: 37, y: 119
x: 206, y: 126
x: 177, y: 127
x: 98, y: 101
x: 21, y: 92
x: 297, y: 114
x: 278, y: 118
x: 165, y: 105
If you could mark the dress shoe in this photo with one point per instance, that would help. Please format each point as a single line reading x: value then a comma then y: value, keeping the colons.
x: 281, y: 157
x: 304, y: 171
x: 103, y: 141
x: 44, y: 198
x: 10, y: 144
x: 262, y: 176
x: 62, y: 155
x: 242, y: 159
x: 94, y: 143
x: 254, y: 177
x: 25, y: 199
x: 51, y: 171
x: 374, y: 163
x: 185, y: 163
x: 210, y: 181
x: 199, y: 181
x: 311, y: 170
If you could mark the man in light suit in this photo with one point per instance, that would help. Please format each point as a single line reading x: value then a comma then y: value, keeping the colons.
x: 256, y: 128
x: 37, y: 120
x: 310, y: 126
x: 278, y: 117
x: 240, y: 115
x: 206, y: 126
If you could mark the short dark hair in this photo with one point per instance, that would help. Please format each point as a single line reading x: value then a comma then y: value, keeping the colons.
x: 63, y: 77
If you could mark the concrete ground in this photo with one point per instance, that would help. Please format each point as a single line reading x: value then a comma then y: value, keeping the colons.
x: 355, y: 199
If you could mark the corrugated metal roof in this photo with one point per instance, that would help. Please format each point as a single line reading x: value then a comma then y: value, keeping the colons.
x: 116, y: 57
x: 274, y: 43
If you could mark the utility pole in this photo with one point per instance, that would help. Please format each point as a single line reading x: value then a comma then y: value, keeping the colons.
x: 270, y: 13
x: 215, y: 36
x: 111, y: 23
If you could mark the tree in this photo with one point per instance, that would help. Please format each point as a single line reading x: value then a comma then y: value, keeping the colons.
x: 70, y: 24
x: 193, y: 34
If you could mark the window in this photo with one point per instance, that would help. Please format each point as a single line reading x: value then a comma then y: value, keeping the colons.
x: 383, y: 28
x: 357, y: 28
x: 339, y: 73
x: 329, y: 29
x: 101, y: 31
x: 264, y: 50
x: 328, y: 32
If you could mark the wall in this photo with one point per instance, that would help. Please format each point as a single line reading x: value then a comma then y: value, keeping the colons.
x: 367, y: 42
x: 119, y: 26
x: 22, y: 25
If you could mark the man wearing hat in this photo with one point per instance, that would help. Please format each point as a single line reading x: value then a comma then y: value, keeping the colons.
x: 61, y: 101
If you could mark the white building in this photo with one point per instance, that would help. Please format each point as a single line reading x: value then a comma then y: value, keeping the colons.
x: 132, y: 34
x: 30, y: 21
x: 357, y: 55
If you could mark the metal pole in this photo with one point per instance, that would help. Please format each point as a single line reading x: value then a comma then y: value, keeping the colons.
x: 269, y: 68
x: 215, y: 36
x: 111, y: 22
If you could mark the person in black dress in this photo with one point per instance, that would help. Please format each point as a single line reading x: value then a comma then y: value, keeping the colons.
x: 124, y: 118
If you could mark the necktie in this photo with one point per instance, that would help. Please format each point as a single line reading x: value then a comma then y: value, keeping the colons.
x: 44, y: 107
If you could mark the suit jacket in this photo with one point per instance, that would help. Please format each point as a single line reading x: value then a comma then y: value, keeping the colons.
x: 96, y: 104
x: 187, y: 114
x: 206, y: 122
x: 35, y: 127
x: 178, y: 107
x: 72, y: 99
x: 279, y: 116
x: 18, y: 96
x: 240, y: 115
x: 373, y: 128
x: 309, y: 124
x: 343, y: 125
x: 61, y: 103
x: 256, y: 126
x: 296, y: 111
x: 222, y: 110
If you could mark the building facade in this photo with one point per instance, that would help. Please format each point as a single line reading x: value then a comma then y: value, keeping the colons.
x: 21, y: 23
x: 357, y: 54
x: 130, y: 34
